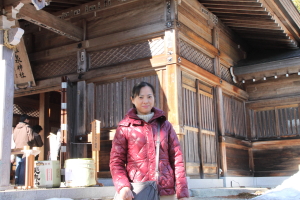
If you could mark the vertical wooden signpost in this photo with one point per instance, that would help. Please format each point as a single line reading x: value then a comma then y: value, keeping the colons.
x: 96, y: 146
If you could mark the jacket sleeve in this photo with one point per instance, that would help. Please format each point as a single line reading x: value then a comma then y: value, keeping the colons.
x: 39, y: 141
x: 177, y: 163
x: 118, y: 159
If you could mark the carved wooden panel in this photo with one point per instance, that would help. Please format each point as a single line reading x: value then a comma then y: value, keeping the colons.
x: 127, y: 53
x: 55, y: 68
x: 30, y: 111
x: 195, y: 56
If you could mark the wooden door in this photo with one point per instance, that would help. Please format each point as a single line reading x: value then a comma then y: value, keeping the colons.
x: 207, y: 130
x: 199, y: 122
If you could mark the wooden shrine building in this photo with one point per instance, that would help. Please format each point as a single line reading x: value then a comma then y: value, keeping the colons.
x: 225, y: 72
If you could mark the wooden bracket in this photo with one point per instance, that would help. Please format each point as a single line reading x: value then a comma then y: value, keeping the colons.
x: 81, y: 61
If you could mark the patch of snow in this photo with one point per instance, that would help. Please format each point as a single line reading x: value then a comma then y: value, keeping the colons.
x: 288, y: 190
x: 59, y: 199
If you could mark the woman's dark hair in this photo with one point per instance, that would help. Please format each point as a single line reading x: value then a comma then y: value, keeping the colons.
x: 137, y: 88
x: 37, y: 128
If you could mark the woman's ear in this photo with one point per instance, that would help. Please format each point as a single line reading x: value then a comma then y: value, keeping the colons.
x: 131, y: 100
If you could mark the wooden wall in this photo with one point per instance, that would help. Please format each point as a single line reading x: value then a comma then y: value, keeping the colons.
x: 274, y: 115
x: 276, y: 158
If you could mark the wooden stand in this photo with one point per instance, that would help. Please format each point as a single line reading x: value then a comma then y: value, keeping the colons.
x: 29, y: 169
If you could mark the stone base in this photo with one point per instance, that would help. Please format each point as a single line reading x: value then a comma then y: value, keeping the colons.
x: 269, y: 182
x: 9, y: 187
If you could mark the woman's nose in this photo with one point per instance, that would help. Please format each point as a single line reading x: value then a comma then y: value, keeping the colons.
x: 145, y: 100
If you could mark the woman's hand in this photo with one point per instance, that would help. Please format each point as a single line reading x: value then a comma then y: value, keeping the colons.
x: 125, y: 194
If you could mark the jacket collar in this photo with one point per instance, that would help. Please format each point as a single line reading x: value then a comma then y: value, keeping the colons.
x: 134, y: 119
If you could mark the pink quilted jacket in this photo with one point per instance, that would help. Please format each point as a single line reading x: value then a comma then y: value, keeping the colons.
x: 132, y: 157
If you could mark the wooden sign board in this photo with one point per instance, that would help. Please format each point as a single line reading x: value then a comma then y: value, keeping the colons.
x: 96, y: 135
x: 23, y: 72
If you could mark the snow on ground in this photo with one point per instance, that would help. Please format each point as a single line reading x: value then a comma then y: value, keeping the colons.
x: 288, y: 190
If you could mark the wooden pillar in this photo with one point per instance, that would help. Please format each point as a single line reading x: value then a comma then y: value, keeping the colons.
x: 63, y: 122
x: 198, y: 107
x: 174, y: 96
x: 80, y: 126
x: 221, y: 130
x: 215, y: 36
x: 6, y: 107
x: 44, y: 122
x: 90, y: 116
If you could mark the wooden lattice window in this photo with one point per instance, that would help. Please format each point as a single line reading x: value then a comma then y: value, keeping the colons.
x: 275, y: 122
x: 30, y: 111
x: 127, y: 53
x: 195, y: 56
x: 58, y: 68
x: 234, y: 117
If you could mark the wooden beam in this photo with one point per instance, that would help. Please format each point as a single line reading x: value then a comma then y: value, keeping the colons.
x: 248, y: 72
x: 134, y: 68
x: 270, y: 26
x: 244, y: 12
x: 101, y: 43
x: 275, y: 144
x: 273, y: 102
x: 274, y: 88
x: 94, y: 7
x: 50, y: 22
x: 234, y: 7
x: 15, y: 2
x: 207, y: 47
x: 228, y: 3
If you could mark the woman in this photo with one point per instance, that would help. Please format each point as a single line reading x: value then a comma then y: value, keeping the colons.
x: 132, y: 157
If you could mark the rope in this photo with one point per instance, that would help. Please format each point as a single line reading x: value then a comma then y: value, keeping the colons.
x: 5, y: 38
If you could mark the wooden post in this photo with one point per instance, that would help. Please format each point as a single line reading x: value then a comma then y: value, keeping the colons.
x: 174, y: 97
x: 223, y: 156
x: 80, y: 126
x: 216, y: 42
x: 44, y: 122
x: 29, y: 169
x: 199, y: 125
x: 6, y: 107
x: 221, y: 129
x: 220, y: 111
x: 96, y: 147
x: 63, y: 122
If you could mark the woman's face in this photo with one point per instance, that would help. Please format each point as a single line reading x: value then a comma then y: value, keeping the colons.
x: 144, y: 102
